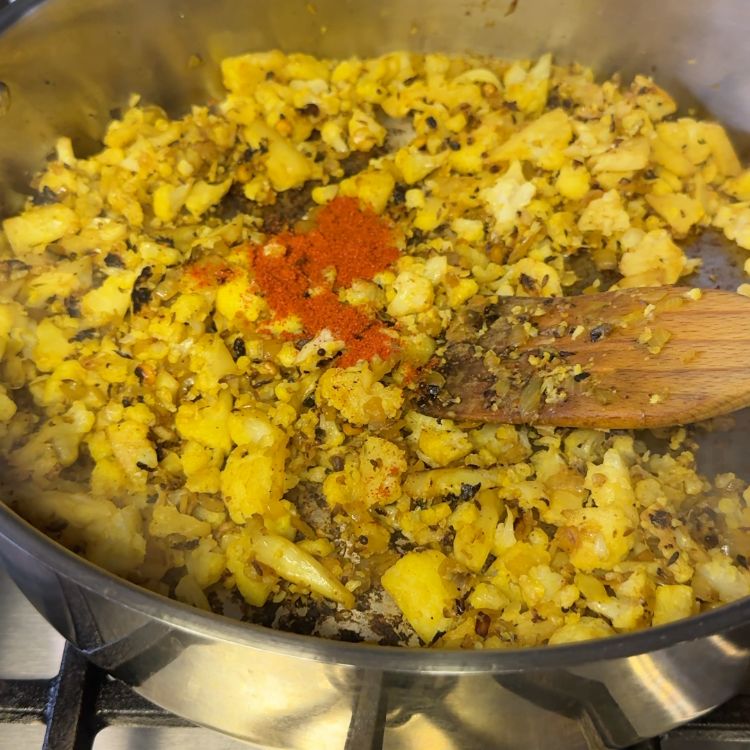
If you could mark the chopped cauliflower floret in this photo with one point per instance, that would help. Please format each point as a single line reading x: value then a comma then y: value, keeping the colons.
x: 180, y: 307
x: 508, y: 197
x: 654, y: 261
x: 605, y: 215
x: 421, y: 592
x: 358, y: 396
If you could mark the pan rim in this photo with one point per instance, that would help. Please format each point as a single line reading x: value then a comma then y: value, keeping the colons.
x: 19, y: 533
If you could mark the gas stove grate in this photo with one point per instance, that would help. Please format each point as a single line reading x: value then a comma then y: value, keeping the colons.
x: 77, y: 704
x: 81, y: 700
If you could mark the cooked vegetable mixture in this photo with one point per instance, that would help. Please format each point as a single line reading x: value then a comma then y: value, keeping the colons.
x: 213, y: 333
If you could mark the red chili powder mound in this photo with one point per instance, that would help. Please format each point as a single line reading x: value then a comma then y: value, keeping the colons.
x: 349, y: 240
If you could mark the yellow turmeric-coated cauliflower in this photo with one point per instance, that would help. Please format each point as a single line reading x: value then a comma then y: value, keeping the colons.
x: 159, y: 415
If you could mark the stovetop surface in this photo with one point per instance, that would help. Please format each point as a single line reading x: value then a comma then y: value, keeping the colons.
x: 31, y: 654
x: 31, y: 650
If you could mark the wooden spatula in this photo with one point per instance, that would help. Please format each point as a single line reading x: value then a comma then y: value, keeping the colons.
x: 626, y: 359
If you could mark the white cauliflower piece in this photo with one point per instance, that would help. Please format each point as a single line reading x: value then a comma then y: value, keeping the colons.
x: 605, y: 215
x: 734, y: 221
x: 508, y: 197
x: 528, y: 89
x: 726, y: 580
x: 358, y: 397
x: 597, y: 537
x: 610, y: 485
x: 586, y: 629
x: 654, y: 261
x: 414, y: 294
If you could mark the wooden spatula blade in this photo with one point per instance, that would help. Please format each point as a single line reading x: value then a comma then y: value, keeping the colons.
x: 627, y: 359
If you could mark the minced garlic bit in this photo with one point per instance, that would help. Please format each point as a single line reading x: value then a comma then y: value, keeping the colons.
x: 167, y: 416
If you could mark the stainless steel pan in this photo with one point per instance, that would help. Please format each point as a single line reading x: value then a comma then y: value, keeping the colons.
x: 63, y: 65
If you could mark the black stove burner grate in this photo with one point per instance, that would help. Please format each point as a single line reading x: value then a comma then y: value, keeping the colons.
x: 82, y: 700
x: 77, y: 704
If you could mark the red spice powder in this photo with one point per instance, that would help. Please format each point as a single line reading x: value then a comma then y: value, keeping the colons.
x: 211, y: 273
x: 293, y: 272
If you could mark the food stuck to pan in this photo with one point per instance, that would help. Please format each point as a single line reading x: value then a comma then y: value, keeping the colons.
x: 217, y: 332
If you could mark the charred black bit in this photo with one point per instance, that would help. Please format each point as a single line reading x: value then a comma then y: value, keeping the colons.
x: 309, y: 110
x: 673, y: 558
x: 139, y: 373
x: 234, y: 203
x: 431, y: 122
x: 581, y: 376
x: 304, y: 620
x: 599, y: 332
x: 358, y: 160
x: 490, y: 314
x: 113, y: 260
x: 427, y: 393
x: 453, y: 145
x: 309, y: 400
x: 400, y: 542
x: 349, y: 636
x: 711, y: 541
x: 188, y: 544
x: 144, y: 467
x: 469, y: 490
x: 160, y: 452
x: 238, y: 349
x: 661, y: 518
x: 527, y: 282
x: 417, y: 236
x: 73, y: 307
x: 488, y: 562
x: 553, y: 98
x: 742, y: 561
x: 448, y: 539
x: 85, y: 333
x: 290, y: 207
x: 141, y: 295
x: 43, y: 197
x: 482, y: 624
x: 399, y: 194
x: 435, y: 638
x: 389, y: 636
